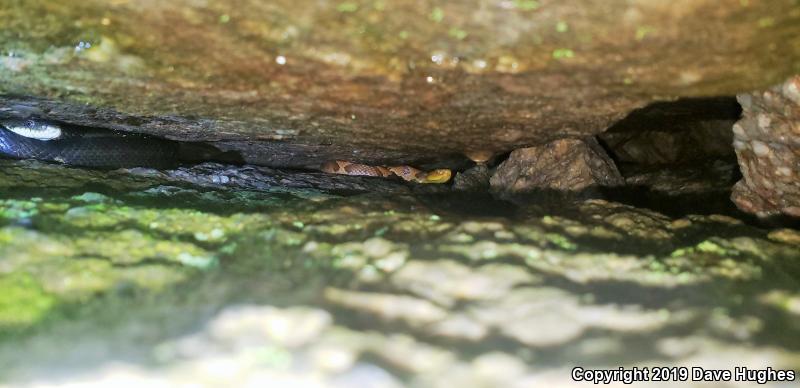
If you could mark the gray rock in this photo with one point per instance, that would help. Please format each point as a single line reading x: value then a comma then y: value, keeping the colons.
x: 473, y: 179
x: 568, y: 165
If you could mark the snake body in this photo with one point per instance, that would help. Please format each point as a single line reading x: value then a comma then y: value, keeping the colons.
x: 407, y: 173
x: 50, y: 141
x: 79, y: 146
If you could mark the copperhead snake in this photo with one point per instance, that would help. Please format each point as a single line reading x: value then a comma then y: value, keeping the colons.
x: 407, y: 173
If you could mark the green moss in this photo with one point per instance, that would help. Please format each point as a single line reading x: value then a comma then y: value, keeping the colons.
x: 16, y: 209
x: 347, y: 7
x: 23, y: 302
x: 437, y: 15
x: 643, y: 31
x: 526, y: 5
x: 457, y: 33
x: 766, y: 22
x: 563, y: 53
x: 708, y: 246
x: 561, y: 241
x: 131, y: 246
x: 131, y: 254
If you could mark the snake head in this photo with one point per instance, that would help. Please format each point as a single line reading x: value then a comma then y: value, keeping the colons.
x: 440, y: 175
x: 33, y: 128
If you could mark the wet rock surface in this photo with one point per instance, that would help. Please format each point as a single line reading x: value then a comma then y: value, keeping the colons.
x: 766, y: 145
x: 119, y: 276
x: 293, y: 84
x: 568, y: 165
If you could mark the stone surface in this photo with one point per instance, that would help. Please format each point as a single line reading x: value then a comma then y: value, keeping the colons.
x: 768, y: 149
x: 220, y: 275
x: 105, y: 281
x: 568, y: 165
x: 475, y: 178
x: 294, y: 83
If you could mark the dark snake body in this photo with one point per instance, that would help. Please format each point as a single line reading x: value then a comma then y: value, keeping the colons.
x: 99, y: 148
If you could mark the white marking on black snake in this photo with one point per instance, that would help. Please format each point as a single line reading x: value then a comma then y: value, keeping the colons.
x: 81, y: 146
x: 30, y: 128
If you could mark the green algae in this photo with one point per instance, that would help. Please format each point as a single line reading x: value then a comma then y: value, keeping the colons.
x: 526, y: 5
x: 15, y: 209
x: 24, y: 303
x: 563, y: 53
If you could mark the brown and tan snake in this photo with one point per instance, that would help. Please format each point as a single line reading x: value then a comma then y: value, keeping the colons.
x: 408, y: 173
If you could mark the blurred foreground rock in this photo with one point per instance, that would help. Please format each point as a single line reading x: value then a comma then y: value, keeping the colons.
x: 112, y: 278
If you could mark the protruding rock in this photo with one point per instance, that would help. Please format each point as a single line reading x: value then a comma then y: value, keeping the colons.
x: 567, y: 165
x: 473, y: 179
x: 766, y: 144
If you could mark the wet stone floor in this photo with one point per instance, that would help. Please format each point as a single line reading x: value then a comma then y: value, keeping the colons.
x: 121, y: 276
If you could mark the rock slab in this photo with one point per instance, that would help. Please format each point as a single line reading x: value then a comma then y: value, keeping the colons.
x: 294, y: 83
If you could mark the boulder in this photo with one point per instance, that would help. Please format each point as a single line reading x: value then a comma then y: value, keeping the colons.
x: 567, y: 166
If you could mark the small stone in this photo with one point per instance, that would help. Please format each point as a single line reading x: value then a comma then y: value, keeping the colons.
x: 460, y: 326
x: 291, y: 327
x: 387, y: 306
x: 377, y: 247
x: 333, y: 359
x: 791, y: 90
x: 499, y: 365
x: 446, y: 281
x: 787, y: 236
x: 737, y: 130
x: 391, y: 262
x: 760, y: 148
x: 680, y: 224
x: 763, y: 121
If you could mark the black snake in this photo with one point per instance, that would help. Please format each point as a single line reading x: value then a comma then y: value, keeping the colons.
x: 80, y: 146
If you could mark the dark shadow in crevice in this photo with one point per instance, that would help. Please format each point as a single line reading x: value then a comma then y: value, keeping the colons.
x: 192, y: 153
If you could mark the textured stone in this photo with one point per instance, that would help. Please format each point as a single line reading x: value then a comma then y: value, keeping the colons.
x: 294, y: 83
x: 473, y: 179
x: 568, y: 165
x: 768, y: 149
x: 478, y: 301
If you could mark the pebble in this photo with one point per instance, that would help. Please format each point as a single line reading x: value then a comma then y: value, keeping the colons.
x: 788, y: 236
x: 760, y: 148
